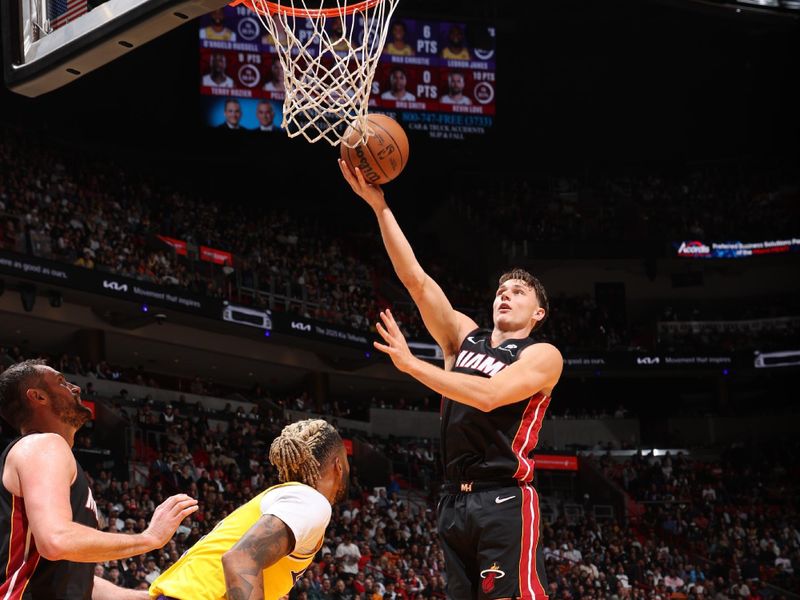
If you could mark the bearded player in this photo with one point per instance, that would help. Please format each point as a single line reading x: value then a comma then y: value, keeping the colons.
x: 496, y: 385
x: 49, y: 542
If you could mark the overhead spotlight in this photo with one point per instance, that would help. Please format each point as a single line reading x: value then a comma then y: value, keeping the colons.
x: 55, y: 299
x: 770, y: 3
x: 27, y: 294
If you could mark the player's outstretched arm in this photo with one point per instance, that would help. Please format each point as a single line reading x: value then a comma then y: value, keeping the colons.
x: 537, y: 370
x: 105, y: 590
x: 42, y: 469
x: 447, y: 326
x: 264, y: 544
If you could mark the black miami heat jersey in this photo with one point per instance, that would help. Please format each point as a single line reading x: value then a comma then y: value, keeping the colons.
x: 26, y: 574
x: 494, y: 445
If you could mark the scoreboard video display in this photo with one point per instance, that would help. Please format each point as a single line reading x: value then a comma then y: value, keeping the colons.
x: 432, y: 76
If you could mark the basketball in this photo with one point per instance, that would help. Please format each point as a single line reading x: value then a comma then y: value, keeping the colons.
x: 384, y: 155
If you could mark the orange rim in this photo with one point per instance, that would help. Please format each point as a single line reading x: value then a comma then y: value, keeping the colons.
x: 274, y: 8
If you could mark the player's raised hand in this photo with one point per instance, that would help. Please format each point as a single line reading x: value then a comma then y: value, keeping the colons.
x: 168, y: 516
x: 396, y: 346
x: 371, y: 193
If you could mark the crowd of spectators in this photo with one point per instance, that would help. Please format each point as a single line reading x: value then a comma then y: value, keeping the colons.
x: 354, y: 408
x: 776, y: 325
x: 70, y: 209
x: 720, y: 202
x: 577, y: 324
x: 300, y: 400
x: 382, y: 543
x: 88, y: 213
x: 376, y: 542
x: 104, y: 370
x: 739, y: 512
x: 719, y: 529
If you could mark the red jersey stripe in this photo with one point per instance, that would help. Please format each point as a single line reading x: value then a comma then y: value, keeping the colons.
x: 22, y: 554
x: 528, y: 435
x: 530, y: 586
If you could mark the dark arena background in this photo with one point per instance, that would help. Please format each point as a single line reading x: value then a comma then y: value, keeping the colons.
x: 205, y: 287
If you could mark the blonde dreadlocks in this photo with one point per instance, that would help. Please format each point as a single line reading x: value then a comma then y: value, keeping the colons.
x: 301, y: 449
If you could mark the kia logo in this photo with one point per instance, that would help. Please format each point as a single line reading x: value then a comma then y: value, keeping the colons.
x: 647, y: 360
x: 113, y: 285
x: 301, y: 326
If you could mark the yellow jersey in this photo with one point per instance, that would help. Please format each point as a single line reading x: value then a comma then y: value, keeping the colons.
x: 393, y: 50
x: 451, y: 54
x: 198, y: 574
x: 225, y: 35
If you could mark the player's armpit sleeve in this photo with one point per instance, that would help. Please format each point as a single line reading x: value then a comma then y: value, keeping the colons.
x: 303, y: 509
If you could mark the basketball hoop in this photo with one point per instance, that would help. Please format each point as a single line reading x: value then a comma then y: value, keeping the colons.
x: 329, y: 56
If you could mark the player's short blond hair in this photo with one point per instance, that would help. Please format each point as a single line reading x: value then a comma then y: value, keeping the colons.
x: 533, y: 283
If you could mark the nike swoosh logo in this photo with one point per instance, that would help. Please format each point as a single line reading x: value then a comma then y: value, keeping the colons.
x: 500, y: 500
x: 472, y: 340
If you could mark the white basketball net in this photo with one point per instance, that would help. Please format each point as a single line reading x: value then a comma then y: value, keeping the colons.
x: 329, y: 56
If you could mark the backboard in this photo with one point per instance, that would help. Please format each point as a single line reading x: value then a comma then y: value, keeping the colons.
x: 49, y: 43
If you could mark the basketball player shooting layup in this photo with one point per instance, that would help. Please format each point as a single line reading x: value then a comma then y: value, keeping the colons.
x: 495, y: 388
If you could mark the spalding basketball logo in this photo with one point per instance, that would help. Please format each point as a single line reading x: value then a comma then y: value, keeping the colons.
x: 489, y: 575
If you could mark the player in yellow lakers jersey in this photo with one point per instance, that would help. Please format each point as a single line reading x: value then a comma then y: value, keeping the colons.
x: 260, y: 549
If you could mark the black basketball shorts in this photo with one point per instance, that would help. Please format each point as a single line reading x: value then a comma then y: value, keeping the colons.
x: 490, y: 539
